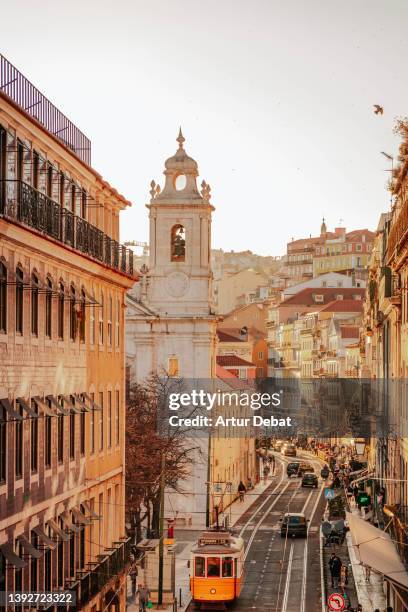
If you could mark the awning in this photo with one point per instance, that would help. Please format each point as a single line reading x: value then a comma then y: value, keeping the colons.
x: 79, y: 517
x: 366, y: 475
x: 80, y: 401
x: 8, y: 406
x: 67, y: 520
x: 68, y: 400
x: 11, y: 557
x: 374, y: 548
x: 29, y: 548
x: 26, y: 406
x: 44, y: 539
x: 61, y: 535
x: 61, y: 410
x: 42, y: 405
x: 92, y: 402
x: 92, y: 514
x: 357, y: 472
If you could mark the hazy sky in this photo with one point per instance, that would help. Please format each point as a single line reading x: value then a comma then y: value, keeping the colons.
x: 274, y: 98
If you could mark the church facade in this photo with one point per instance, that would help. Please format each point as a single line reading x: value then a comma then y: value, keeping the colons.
x: 170, y: 322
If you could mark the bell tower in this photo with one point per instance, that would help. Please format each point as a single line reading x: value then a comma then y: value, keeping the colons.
x: 179, y: 280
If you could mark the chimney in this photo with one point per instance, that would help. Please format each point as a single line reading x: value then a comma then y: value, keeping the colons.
x: 340, y: 231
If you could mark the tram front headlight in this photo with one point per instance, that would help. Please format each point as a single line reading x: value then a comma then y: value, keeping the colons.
x: 213, y: 591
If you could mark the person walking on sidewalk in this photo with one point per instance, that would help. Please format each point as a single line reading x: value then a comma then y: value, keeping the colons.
x: 272, y: 462
x: 144, y: 595
x: 133, y: 577
x: 241, y: 491
x: 335, y: 570
x: 265, y: 472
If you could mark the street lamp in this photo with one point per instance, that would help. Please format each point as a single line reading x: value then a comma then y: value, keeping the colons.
x: 359, y: 446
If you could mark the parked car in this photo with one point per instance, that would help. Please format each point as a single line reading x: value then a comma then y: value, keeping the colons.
x: 305, y: 467
x: 310, y: 480
x: 289, y: 450
x: 294, y: 524
x: 292, y: 469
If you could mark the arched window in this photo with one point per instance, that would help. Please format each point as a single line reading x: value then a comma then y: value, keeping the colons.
x: 178, y: 243
x: 3, y: 298
x: 19, y: 300
x: 34, y: 304
x: 61, y: 308
x: 72, y: 314
x: 48, y: 308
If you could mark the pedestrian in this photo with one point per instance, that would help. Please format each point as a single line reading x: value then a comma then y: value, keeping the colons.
x: 273, y: 464
x: 133, y: 576
x: 344, y: 575
x: 335, y: 566
x: 265, y: 472
x: 144, y: 596
x: 241, y: 491
x: 250, y: 483
x: 356, y: 491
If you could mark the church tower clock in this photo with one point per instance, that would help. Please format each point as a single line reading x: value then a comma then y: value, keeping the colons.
x: 172, y: 327
x: 180, y: 240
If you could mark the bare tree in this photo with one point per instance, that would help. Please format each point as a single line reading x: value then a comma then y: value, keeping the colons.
x: 148, y: 438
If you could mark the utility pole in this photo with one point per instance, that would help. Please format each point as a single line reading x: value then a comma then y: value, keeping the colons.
x: 161, y: 534
x: 207, y: 509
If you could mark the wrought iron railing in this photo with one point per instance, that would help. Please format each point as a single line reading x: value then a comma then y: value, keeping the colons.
x: 22, y: 203
x: 110, y: 565
x: 398, y: 232
x: 33, y: 102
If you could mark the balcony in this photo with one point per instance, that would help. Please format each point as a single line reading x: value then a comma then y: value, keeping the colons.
x: 21, y: 203
x: 92, y: 581
x: 32, y: 101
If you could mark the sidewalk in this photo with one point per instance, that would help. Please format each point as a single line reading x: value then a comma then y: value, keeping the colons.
x: 370, y: 592
x: 185, y: 540
x: 349, y: 591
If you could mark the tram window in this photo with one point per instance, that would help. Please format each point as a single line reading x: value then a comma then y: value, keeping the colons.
x: 213, y: 566
x: 200, y: 567
x: 227, y: 565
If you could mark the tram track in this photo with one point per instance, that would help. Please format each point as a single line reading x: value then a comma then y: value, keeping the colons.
x: 276, y: 575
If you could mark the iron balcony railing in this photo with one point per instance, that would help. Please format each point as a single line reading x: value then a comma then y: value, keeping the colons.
x: 110, y: 565
x: 33, y: 102
x: 22, y: 203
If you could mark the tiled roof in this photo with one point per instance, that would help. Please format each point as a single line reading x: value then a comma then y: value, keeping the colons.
x: 230, y: 361
x: 232, y: 381
x: 344, y: 306
x: 306, y: 297
x: 350, y: 331
x: 224, y: 336
x: 357, y: 234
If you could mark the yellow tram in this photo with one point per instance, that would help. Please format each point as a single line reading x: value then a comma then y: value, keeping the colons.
x: 216, y: 567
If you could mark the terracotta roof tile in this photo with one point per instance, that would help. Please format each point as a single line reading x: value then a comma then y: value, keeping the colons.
x: 350, y: 331
x: 344, y: 306
x: 230, y: 361
x: 306, y: 297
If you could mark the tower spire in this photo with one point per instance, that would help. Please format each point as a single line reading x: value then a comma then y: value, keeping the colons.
x: 180, y: 138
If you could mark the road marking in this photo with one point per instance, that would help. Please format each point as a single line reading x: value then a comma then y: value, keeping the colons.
x: 261, y: 506
x: 305, y: 552
x: 288, y: 575
x: 261, y: 520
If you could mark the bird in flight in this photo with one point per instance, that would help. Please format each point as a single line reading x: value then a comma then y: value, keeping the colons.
x: 378, y: 109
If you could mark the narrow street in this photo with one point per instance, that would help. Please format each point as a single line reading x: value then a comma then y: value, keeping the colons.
x: 282, y: 574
